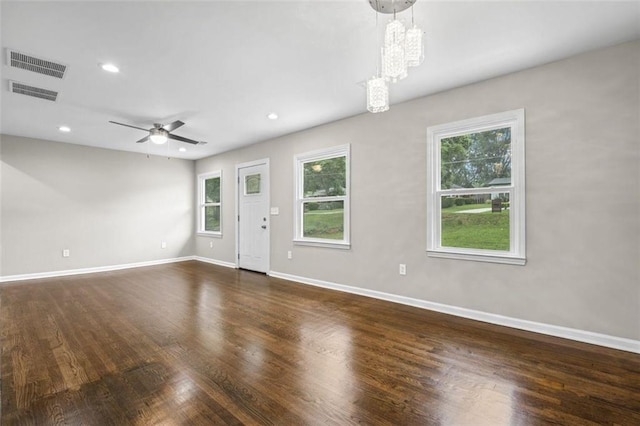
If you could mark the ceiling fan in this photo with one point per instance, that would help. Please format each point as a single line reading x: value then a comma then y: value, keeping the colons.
x: 161, y: 133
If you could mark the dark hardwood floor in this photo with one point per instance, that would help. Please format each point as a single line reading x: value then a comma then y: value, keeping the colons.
x: 193, y: 343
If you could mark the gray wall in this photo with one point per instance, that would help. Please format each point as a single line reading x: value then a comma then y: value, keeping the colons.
x: 583, y: 204
x: 107, y: 207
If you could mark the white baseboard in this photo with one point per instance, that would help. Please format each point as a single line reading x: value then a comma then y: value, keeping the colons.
x: 215, y: 262
x: 53, y: 274
x: 614, y: 342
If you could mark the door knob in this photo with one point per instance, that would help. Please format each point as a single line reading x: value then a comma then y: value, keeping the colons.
x: 264, y: 226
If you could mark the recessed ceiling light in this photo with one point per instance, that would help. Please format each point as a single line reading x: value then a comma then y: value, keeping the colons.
x: 272, y: 116
x: 182, y: 149
x: 109, y: 68
x: 65, y: 129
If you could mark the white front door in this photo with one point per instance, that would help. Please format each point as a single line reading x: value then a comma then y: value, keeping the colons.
x: 253, y: 215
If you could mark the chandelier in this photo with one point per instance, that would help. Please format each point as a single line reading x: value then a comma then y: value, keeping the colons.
x: 402, y: 48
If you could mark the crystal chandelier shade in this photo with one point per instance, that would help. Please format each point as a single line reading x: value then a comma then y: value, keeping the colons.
x: 377, y: 95
x: 394, y: 33
x: 401, y: 48
x: 414, y: 50
x: 394, y: 65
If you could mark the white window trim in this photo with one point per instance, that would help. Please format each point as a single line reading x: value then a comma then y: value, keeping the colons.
x: 298, y: 162
x: 201, y: 204
x: 516, y: 255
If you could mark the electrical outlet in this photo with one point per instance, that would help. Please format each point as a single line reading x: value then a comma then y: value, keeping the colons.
x: 163, y: 245
x: 289, y: 255
x: 210, y: 244
x: 402, y: 269
x: 65, y: 253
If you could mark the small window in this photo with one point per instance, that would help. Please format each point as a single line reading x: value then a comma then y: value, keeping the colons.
x: 476, y: 187
x: 210, y: 204
x: 252, y: 184
x: 322, y: 198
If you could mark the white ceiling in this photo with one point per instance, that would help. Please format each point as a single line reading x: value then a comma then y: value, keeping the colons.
x: 222, y: 66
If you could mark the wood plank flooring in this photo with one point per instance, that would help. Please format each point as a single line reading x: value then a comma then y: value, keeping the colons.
x: 195, y: 344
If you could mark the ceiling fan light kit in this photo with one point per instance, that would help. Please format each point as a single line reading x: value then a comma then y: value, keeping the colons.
x: 402, y: 48
x: 158, y: 136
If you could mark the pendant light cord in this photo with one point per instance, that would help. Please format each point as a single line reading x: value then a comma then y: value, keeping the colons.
x: 379, y: 55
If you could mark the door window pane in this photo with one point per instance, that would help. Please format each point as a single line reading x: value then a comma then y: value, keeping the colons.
x: 252, y: 184
x: 478, y: 221
x: 323, y: 219
x: 476, y: 160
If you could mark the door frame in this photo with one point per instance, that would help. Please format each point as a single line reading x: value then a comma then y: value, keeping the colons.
x: 265, y: 162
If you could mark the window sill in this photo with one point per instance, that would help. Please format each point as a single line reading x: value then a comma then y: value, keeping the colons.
x: 506, y: 259
x: 325, y: 244
x: 209, y: 234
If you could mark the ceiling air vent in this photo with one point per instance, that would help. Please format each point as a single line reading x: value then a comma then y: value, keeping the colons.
x: 17, y: 59
x: 36, y: 92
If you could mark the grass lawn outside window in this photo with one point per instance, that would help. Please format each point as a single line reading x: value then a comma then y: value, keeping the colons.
x: 484, y: 230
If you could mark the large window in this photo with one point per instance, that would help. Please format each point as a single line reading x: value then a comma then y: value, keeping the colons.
x: 322, y: 197
x: 475, y: 181
x: 210, y: 204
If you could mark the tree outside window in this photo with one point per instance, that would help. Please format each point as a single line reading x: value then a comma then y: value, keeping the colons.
x: 476, y: 188
x: 322, y: 201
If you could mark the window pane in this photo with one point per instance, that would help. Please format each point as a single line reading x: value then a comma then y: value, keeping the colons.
x: 476, y: 221
x: 476, y: 160
x: 252, y: 184
x: 325, y: 178
x: 212, y: 190
x: 212, y: 218
x: 323, y: 220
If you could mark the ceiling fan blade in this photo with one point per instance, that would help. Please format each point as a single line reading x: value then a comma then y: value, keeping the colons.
x: 146, y: 138
x: 128, y: 125
x: 181, y: 139
x: 172, y: 126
